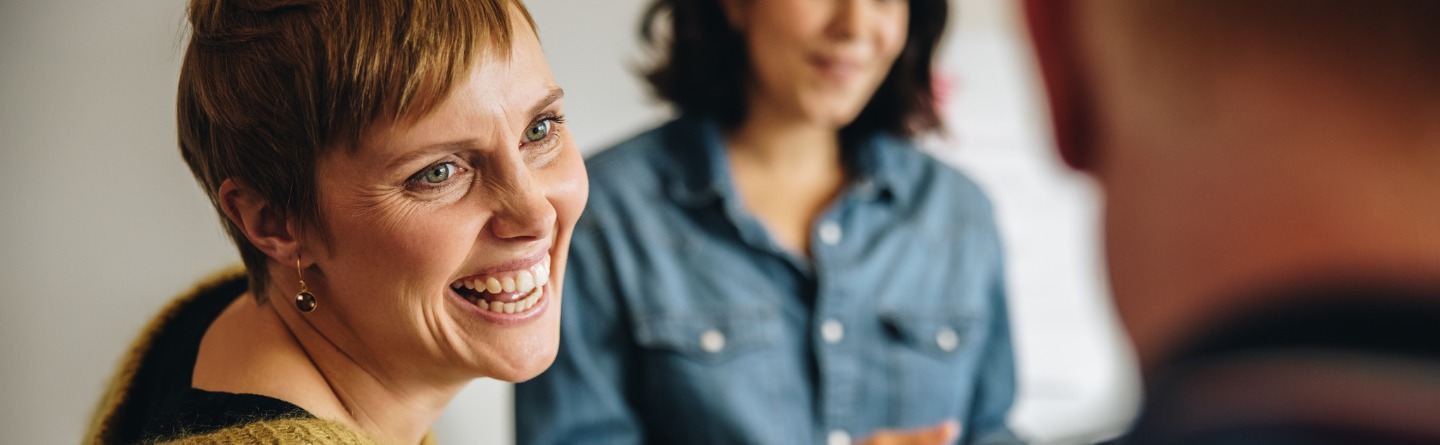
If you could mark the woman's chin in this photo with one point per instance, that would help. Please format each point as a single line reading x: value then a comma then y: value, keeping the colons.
x: 522, y: 365
x: 525, y: 372
x: 516, y: 352
x: 834, y: 114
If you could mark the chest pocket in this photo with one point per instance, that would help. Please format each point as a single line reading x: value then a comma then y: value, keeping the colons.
x: 709, y: 337
x: 718, y: 366
x: 943, y: 336
x: 933, y: 364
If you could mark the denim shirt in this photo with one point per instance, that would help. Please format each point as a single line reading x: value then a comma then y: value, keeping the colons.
x: 685, y: 322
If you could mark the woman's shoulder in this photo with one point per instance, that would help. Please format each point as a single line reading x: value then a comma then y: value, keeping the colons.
x: 641, y: 170
x: 933, y: 182
x: 644, y: 154
x: 283, y: 431
x: 199, y: 412
x: 157, y: 366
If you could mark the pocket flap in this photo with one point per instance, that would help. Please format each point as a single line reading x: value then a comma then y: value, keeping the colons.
x: 940, y: 334
x: 708, y: 335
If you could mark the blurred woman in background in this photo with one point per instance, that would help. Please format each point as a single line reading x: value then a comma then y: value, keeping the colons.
x: 780, y: 264
x: 401, y: 187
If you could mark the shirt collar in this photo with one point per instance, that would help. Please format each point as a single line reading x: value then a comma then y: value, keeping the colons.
x: 702, y: 170
x: 702, y: 173
x: 881, y: 170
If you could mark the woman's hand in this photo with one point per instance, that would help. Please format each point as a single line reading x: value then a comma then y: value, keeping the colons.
x: 941, y: 434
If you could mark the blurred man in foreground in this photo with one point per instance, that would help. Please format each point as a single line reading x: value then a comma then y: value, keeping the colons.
x: 1271, y: 172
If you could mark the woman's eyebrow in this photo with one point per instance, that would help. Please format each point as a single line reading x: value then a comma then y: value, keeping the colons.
x: 556, y: 93
x: 429, y: 150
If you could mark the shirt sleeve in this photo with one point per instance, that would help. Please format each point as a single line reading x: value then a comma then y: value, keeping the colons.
x: 582, y: 397
x: 995, y: 391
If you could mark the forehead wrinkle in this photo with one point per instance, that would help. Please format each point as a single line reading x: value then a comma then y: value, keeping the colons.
x: 484, y: 107
x: 465, y: 121
x: 485, y: 110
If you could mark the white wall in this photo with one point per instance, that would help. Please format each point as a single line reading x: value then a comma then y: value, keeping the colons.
x: 100, y: 222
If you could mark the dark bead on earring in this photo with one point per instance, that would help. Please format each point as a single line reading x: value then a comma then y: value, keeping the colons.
x: 305, y: 301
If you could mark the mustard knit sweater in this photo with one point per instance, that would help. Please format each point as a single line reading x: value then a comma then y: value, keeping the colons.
x: 109, y: 418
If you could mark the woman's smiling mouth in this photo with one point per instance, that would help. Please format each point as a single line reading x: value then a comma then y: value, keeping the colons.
x: 508, y: 292
x: 837, y: 69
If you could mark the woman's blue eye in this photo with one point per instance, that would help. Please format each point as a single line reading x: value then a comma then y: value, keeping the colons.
x: 538, y: 131
x: 439, y: 173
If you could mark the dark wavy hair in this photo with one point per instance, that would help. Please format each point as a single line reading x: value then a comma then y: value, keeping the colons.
x: 703, y: 65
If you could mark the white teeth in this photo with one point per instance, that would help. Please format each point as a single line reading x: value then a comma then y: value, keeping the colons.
x: 513, y: 307
x: 524, y: 281
x: 542, y: 274
x: 529, y: 302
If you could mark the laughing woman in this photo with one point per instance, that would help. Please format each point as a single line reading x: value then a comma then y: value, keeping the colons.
x: 780, y: 265
x: 400, y: 184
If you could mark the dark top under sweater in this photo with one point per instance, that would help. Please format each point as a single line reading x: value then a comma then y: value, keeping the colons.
x: 164, y: 405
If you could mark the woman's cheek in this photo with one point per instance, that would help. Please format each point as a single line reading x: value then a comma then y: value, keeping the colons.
x: 569, y: 186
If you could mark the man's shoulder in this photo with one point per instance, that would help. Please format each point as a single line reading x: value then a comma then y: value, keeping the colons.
x: 1327, y: 362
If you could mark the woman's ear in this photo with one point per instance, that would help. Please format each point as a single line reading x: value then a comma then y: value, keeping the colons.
x: 735, y: 13
x: 1053, y: 35
x: 266, y: 226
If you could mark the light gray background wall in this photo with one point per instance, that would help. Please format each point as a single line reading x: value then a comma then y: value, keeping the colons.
x: 101, y: 223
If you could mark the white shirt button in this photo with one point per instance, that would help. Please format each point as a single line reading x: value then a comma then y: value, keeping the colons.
x: 865, y: 187
x: 838, y: 437
x: 712, y: 341
x: 832, y: 331
x: 830, y: 233
x: 947, y: 339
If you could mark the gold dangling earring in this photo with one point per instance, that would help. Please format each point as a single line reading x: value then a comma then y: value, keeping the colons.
x: 305, y: 301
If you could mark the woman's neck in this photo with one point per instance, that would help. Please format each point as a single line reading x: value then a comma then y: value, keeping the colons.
x: 258, y: 349
x: 771, y: 141
x: 786, y: 171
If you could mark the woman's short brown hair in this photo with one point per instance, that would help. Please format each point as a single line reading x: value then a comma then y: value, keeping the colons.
x: 703, y: 67
x: 267, y: 86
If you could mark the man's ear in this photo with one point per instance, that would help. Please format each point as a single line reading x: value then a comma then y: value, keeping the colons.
x: 1056, y: 42
x: 267, y: 226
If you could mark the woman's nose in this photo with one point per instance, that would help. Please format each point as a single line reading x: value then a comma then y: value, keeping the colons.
x: 524, y: 212
x: 848, y: 18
